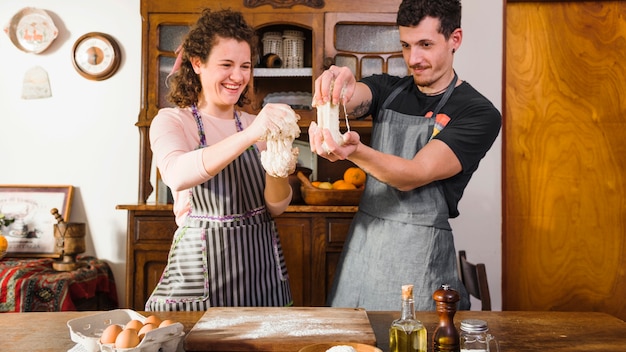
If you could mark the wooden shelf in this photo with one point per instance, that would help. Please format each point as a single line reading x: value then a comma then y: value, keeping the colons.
x: 283, y: 72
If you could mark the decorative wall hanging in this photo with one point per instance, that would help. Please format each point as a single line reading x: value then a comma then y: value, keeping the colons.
x: 318, y: 4
x: 36, y: 84
x: 31, y: 30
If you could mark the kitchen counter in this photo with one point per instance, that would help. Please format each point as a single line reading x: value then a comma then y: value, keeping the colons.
x: 515, y: 331
x: 293, y: 208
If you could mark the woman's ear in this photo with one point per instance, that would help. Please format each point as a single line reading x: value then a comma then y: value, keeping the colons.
x: 195, y: 63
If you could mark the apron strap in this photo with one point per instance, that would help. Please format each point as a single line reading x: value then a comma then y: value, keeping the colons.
x: 446, y: 95
x: 442, y: 102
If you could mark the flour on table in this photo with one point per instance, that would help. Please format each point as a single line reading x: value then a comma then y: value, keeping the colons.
x: 297, y: 325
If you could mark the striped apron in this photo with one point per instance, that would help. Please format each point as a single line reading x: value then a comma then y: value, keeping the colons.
x: 228, y: 252
x: 398, y: 238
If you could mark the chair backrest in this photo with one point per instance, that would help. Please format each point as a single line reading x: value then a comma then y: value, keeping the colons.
x: 474, y: 277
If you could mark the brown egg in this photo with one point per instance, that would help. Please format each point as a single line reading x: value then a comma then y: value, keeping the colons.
x: 152, y: 319
x: 146, y: 327
x: 134, y: 324
x: 166, y: 322
x: 110, y: 333
x: 128, y: 338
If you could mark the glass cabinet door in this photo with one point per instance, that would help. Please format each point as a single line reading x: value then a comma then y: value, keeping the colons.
x: 367, y: 43
x: 170, y: 37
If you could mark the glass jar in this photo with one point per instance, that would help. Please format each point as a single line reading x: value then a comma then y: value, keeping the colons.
x: 475, y: 337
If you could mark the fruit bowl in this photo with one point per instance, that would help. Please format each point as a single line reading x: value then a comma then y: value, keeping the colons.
x: 317, y: 196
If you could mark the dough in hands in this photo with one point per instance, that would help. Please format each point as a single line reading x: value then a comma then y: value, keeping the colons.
x: 328, y: 117
x: 280, y: 157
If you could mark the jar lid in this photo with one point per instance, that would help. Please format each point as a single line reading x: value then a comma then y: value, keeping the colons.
x: 474, y: 325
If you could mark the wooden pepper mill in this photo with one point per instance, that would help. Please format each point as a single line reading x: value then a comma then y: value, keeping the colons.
x: 69, y: 242
x: 446, y: 336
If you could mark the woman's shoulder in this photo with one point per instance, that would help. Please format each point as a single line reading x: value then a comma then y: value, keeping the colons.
x: 173, y: 112
x: 172, y: 115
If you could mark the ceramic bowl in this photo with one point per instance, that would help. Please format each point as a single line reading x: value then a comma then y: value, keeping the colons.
x: 323, y: 347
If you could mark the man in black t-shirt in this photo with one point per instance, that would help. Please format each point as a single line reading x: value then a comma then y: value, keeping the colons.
x: 430, y: 131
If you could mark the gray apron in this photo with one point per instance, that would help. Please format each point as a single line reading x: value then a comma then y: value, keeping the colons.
x: 228, y: 252
x: 398, y: 238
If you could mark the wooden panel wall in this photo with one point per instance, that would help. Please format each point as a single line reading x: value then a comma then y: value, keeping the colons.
x: 564, y: 159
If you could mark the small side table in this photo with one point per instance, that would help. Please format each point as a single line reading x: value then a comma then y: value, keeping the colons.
x: 32, y: 285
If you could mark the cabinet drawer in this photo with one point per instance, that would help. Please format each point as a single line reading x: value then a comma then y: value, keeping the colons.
x: 338, y: 231
x: 155, y: 228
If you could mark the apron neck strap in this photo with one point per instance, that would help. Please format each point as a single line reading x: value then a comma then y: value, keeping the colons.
x: 446, y: 95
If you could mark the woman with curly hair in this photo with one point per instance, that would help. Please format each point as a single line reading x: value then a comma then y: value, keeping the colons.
x: 226, y: 251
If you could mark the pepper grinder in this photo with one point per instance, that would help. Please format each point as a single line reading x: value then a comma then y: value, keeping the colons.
x: 446, y: 337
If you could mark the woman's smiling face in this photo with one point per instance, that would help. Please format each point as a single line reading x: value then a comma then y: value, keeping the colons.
x: 226, y: 72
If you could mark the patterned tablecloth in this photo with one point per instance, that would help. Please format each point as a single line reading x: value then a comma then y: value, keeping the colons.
x: 32, y: 285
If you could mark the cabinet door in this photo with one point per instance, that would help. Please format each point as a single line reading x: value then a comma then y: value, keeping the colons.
x: 149, y: 238
x: 312, y: 244
x: 564, y: 243
x: 368, y: 43
x: 149, y: 266
x: 338, y: 228
x: 295, y: 238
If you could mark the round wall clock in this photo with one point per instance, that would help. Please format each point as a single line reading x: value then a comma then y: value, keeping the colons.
x: 96, y: 56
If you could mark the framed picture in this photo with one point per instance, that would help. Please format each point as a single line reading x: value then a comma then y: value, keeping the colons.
x: 31, y: 234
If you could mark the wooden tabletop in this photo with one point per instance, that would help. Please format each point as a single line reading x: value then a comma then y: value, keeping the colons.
x: 515, y: 331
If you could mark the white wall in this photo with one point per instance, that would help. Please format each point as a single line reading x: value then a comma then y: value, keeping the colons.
x: 479, y: 61
x: 84, y: 135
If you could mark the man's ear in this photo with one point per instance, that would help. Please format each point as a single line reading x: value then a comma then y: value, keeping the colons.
x: 455, y: 39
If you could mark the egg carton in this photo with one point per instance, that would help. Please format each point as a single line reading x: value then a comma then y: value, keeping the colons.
x: 86, y: 331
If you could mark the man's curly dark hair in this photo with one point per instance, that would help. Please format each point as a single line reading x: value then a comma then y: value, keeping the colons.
x: 199, y: 42
x: 412, y: 12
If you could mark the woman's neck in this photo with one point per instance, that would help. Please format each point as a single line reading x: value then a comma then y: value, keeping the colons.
x: 226, y: 113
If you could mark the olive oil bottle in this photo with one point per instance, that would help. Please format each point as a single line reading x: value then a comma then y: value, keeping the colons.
x: 407, y: 334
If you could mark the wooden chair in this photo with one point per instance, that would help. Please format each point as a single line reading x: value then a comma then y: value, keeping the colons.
x: 474, y: 277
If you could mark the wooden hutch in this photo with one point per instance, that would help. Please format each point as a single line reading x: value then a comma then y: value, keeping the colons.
x: 361, y: 35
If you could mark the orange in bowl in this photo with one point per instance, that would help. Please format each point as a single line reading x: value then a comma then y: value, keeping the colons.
x: 341, y: 184
x: 355, y: 176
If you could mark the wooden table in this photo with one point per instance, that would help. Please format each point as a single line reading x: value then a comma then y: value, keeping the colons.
x: 516, y: 331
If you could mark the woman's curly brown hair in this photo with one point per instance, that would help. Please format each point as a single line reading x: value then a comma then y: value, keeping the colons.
x: 199, y: 42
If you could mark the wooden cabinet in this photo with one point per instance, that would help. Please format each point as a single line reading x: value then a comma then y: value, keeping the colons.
x: 366, y: 41
x: 312, y: 239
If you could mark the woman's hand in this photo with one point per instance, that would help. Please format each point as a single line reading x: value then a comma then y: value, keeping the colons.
x: 274, y: 120
x: 281, y: 122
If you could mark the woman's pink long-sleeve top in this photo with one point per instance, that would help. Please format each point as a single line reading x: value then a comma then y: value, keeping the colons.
x: 174, y: 140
